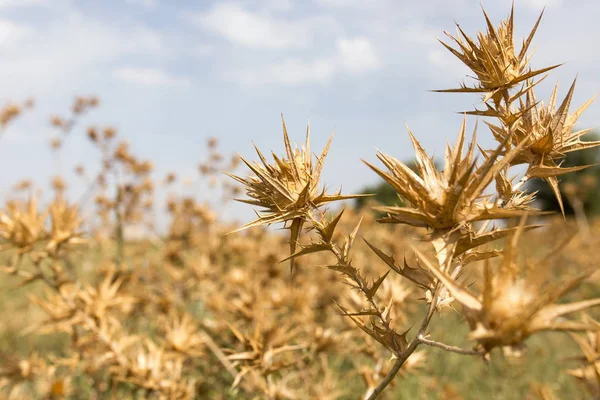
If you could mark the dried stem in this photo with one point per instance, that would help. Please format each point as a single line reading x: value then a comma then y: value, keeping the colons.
x: 447, y: 347
x: 119, y: 237
x: 216, y: 350
x: 409, y: 350
x: 362, y: 286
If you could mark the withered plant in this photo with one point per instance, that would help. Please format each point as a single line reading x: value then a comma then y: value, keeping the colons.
x: 513, y: 300
x: 193, y: 312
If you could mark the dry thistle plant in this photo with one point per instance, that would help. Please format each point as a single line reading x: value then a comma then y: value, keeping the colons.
x: 195, y: 313
x: 515, y: 300
x: 126, y: 311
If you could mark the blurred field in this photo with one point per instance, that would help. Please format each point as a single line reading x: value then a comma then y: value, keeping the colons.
x: 234, y: 281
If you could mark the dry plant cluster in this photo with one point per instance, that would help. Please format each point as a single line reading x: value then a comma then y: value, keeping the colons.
x: 202, y: 312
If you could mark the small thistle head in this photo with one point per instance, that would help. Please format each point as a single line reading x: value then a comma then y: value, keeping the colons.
x: 287, y: 190
x: 65, y: 224
x: 22, y: 225
x: 515, y: 302
x: 182, y: 335
x: 450, y: 198
x: 546, y: 135
x: 493, y: 58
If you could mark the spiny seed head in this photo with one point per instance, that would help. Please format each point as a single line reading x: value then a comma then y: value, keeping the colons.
x: 445, y: 199
x: 493, y: 58
x: 287, y: 190
x: 65, y: 226
x: 548, y: 135
x: 551, y: 130
x: 21, y: 224
x: 515, y: 302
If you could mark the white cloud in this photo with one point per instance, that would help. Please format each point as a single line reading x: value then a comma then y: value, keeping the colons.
x: 353, y: 56
x: 203, y: 50
x: 38, y: 59
x: 289, y: 72
x: 149, y: 4
x: 350, y: 4
x: 275, y: 5
x: 254, y: 30
x: 346, y: 3
x: 147, y: 76
x: 143, y: 40
x: 357, y: 55
x: 11, y: 33
x: 21, y: 3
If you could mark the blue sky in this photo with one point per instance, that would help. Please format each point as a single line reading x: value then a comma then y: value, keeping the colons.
x: 172, y: 73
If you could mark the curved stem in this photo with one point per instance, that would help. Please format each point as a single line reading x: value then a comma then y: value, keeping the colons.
x: 447, y: 347
x: 409, y: 350
x: 395, y: 368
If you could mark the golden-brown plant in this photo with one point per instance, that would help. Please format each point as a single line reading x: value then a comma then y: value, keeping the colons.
x: 515, y: 302
x: 197, y: 313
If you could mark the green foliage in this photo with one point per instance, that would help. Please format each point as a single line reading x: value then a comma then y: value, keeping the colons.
x: 383, y: 194
x: 581, y: 186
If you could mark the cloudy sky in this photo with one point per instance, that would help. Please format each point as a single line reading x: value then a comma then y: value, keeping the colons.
x: 172, y: 73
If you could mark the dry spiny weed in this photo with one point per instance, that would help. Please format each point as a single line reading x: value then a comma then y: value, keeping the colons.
x: 288, y: 191
x: 65, y: 225
x: 456, y: 207
x: 549, y: 135
x: 448, y: 202
x: 196, y: 313
x: 516, y: 301
x: 494, y: 59
x: 22, y: 225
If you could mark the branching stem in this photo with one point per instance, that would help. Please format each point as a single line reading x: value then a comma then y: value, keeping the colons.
x: 448, y: 347
x: 409, y: 350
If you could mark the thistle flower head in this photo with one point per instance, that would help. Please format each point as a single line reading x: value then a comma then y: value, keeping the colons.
x: 515, y: 302
x: 65, y: 224
x: 152, y: 367
x: 182, y: 335
x: 107, y: 297
x: 284, y: 189
x: 493, y: 58
x: 445, y: 199
x: 549, y: 134
x: 22, y: 225
x: 287, y: 190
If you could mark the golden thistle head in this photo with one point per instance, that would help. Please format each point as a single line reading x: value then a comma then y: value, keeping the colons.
x: 287, y: 190
x: 514, y: 302
x: 493, y: 58
x: 449, y: 198
x: 182, y: 335
x: 548, y: 134
x: 65, y: 224
x: 22, y: 225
